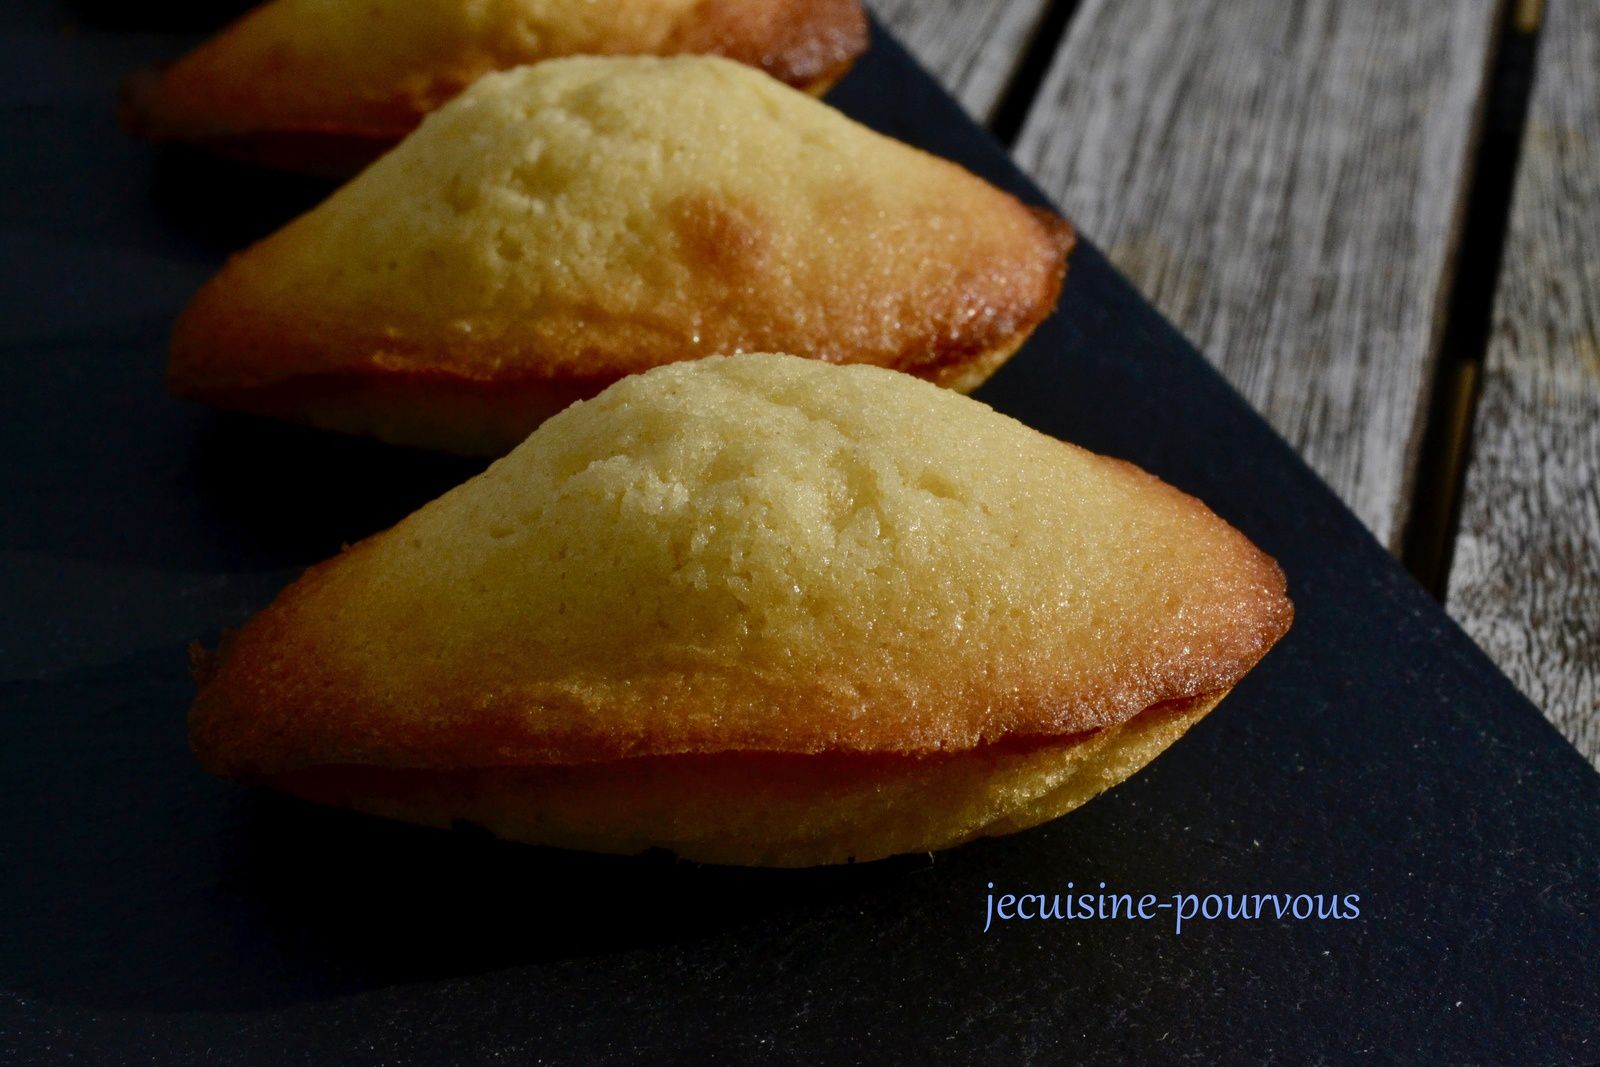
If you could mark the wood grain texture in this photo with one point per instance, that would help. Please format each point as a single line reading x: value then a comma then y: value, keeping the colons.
x: 1285, y: 181
x: 1525, y: 582
x: 972, y: 46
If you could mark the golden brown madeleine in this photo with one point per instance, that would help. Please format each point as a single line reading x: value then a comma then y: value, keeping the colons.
x: 326, y: 85
x: 755, y: 609
x: 562, y: 225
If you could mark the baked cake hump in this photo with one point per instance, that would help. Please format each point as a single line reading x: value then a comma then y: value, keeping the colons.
x: 562, y: 225
x: 750, y: 555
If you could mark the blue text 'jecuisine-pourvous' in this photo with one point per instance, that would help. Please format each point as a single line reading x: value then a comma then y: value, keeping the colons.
x: 1181, y: 907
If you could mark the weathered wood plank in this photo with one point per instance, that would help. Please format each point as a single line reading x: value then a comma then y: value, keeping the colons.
x: 973, y: 46
x: 1525, y: 582
x: 1284, y: 180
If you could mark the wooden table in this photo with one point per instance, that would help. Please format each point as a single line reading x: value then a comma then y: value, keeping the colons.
x: 1381, y: 220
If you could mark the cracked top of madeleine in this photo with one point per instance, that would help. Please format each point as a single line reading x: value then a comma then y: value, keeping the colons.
x: 749, y: 554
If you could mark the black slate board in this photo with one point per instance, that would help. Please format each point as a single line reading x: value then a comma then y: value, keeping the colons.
x: 150, y: 913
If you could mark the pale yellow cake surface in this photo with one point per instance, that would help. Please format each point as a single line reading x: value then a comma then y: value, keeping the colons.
x: 373, y: 68
x: 561, y: 225
x: 749, y: 555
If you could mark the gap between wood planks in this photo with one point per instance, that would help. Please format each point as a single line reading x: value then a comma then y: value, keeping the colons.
x: 1438, y: 475
x: 1011, y: 110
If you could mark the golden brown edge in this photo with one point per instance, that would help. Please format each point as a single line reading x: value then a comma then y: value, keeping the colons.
x: 807, y: 44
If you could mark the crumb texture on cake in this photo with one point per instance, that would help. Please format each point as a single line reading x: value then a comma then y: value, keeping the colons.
x: 583, y: 219
x: 749, y: 554
x: 374, y: 68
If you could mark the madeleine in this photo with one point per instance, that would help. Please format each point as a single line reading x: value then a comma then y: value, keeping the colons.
x: 754, y: 610
x: 563, y: 225
x: 328, y: 85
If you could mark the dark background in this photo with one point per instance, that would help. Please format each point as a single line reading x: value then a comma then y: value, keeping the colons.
x: 149, y: 912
